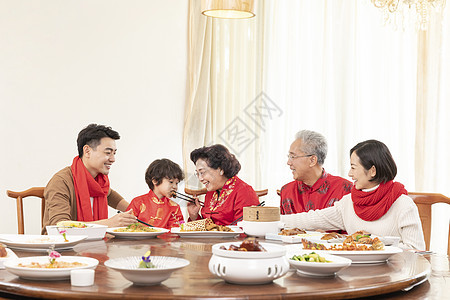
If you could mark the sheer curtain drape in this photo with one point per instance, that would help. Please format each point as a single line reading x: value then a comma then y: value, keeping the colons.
x: 224, y: 75
x: 329, y: 66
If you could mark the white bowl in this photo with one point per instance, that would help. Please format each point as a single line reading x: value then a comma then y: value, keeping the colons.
x: 249, y: 267
x: 128, y: 267
x: 260, y: 229
x: 93, y: 231
x: 335, y: 265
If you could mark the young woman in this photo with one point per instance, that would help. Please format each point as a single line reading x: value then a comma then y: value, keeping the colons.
x: 376, y: 203
x: 227, y: 195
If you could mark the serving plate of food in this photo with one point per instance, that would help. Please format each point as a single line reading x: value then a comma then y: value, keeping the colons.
x: 310, y: 263
x: 358, y: 253
x: 136, y: 230
x: 31, y: 242
x: 235, y: 230
x: 92, y: 231
x: 40, y: 267
x: 205, y: 228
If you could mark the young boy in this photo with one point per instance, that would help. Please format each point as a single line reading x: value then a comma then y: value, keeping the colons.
x: 155, y: 208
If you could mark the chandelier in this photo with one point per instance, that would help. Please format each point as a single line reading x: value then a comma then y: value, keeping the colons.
x: 228, y: 9
x: 422, y: 8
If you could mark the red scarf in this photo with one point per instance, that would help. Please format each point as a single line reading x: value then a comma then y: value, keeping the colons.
x: 371, y: 206
x: 85, y: 187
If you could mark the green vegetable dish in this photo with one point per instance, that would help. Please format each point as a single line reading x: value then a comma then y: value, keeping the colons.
x: 311, y: 257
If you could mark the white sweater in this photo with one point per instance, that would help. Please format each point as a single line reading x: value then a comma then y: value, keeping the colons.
x: 401, y: 220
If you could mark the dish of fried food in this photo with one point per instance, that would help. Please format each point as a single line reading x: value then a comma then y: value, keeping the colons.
x: 249, y: 244
x: 204, y: 225
x: 292, y: 231
x: 352, y: 246
x: 332, y: 235
x: 359, y: 237
x: 136, y: 227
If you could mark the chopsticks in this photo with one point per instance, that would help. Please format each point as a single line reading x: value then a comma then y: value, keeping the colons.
x: 184, y: 197
x: 140, y: 221
x: 262, y: 203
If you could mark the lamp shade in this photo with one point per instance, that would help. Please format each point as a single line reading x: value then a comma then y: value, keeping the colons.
x: 228, y: 9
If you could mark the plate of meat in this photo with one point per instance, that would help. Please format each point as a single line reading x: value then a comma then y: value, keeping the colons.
x: 376, y: 252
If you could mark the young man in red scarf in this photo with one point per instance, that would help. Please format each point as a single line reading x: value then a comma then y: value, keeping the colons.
x: 377, y: 204
x: 313, y: 188
x: 81, y: 192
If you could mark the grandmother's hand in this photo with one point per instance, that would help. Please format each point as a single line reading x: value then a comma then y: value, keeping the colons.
x: 193, y: 209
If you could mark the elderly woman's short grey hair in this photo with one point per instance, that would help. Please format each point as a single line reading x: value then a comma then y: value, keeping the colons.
x: 313, y: 143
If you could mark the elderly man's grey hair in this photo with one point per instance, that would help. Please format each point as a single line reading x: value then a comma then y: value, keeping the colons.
x: 313, y: 143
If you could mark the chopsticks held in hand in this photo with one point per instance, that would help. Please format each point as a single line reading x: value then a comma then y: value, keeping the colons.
x: 184, y: 197
x: 140, y: 221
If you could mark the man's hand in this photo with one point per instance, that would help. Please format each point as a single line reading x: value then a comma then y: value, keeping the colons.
x: 120, y: 220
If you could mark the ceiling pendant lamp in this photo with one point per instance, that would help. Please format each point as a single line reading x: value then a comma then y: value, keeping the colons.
x: 228, y: 9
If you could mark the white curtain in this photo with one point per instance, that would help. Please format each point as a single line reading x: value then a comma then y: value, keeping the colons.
x: 329, y: 66
x: 224, y: 71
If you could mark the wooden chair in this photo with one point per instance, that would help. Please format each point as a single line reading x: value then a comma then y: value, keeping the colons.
x: 32, y: 192
x: 203, y: 191
x: 424, y: 202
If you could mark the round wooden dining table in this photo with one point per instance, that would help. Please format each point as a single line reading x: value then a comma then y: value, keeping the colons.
x: 406, y: 275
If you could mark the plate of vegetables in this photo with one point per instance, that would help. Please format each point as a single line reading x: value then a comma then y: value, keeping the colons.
x: 311, y: 263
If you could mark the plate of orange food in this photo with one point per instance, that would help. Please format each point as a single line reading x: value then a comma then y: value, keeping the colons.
x: 205, y: 228
x: 136, y: 230
x: 358, y: 253
x: 41, y: 268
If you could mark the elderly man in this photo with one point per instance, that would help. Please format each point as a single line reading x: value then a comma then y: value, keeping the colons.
x: 313, y: 188
x: 81, y: 192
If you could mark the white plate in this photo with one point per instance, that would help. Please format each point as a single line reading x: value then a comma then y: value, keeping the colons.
x: 9, y: 255
x: 47, y: 274
x: 39, y: 242
x: 136, y: 234
x: 92, y: 231
x: 208, y: 234
x: 361, y: 257
x: 335, y: 265
x: 128, y: 267
x: 272, y: 250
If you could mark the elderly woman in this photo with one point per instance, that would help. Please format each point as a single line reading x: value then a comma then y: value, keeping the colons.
x: 227, y: 195
x: 376, y: 203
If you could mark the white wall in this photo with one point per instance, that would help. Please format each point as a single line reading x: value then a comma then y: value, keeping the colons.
x: 65, y: 64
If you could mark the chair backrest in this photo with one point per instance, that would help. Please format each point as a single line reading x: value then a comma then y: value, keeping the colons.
x: 203, y: 191
x: 424, y: 202
x: 32, y: 192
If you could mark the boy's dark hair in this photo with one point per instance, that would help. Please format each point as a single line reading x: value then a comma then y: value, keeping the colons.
x: 375, y: 153
x: 92, y: 134
x: 218, y: 156
x: 160, y: 169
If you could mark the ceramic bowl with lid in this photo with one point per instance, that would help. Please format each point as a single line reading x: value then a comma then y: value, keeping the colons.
x: 249, y: 267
